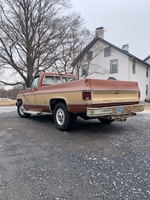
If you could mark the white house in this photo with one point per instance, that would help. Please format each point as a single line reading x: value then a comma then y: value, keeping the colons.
x: 102, y: 60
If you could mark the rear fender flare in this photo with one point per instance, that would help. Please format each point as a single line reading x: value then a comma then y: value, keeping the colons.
x: 55, y: 101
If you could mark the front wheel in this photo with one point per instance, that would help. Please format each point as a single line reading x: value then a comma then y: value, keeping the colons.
x: 62, y: 118
x: 20, y: 109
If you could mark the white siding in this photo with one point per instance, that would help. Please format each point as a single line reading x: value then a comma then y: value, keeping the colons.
x: 140, y: 77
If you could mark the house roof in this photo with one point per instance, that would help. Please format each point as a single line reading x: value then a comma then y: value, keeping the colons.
x: 147, y: 58
x: 86, y: 49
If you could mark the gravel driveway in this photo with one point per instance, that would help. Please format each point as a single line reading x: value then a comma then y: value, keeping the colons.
x: 92, y: 162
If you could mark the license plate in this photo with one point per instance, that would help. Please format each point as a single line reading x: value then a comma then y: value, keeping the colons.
x: 119, y: 110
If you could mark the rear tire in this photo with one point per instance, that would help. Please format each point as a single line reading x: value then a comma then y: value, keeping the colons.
x: 20, y: 109
x: 105, y: 121
x: 62, y: 118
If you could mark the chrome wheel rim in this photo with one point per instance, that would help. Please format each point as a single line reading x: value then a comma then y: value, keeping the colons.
x: 21, y: 108
x: 60, y: 116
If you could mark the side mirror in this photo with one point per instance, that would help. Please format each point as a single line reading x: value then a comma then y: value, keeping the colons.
x: 24, y: 86
x: 35, y: 87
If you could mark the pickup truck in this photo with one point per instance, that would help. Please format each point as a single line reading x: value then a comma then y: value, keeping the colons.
x: 67, y: 98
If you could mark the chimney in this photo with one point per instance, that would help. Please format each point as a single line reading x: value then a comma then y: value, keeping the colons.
x: 125, y: 47
x: 100, y: 32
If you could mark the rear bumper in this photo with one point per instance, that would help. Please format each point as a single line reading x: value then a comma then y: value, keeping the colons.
x: 115, y: 111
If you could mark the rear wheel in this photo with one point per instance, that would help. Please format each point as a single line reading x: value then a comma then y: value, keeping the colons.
x: 20, y: 110
x: 62, y: 118
x: 105, y: 121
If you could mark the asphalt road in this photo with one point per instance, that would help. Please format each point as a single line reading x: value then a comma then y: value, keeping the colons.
x: 91, y: 162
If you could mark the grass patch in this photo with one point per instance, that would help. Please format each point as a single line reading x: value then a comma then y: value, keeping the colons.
x: 147, y: 107
x: 8, y: 103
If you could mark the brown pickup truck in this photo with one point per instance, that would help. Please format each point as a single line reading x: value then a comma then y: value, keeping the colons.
x: 66, y: 97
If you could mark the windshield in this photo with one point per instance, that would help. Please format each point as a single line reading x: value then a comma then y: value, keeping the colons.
x: 35, y: 82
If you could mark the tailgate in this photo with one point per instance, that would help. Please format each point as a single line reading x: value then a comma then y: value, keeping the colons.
x: 112, y: 91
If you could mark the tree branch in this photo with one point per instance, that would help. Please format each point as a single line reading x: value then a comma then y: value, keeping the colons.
x: 11, y: 84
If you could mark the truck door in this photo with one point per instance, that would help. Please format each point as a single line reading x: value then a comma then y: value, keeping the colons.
x: 30, y: 95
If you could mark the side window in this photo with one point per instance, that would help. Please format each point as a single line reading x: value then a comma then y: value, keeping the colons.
x: 89, y: 55
x: 114, y: 66
x: 57, y: 80
x: 64, y: 79
x: 134, y: 67
x: 52, y: 80
x: 48, y: 80
x: 84, y: 70
x: 146, y: 72
x: 146, y: 90
x: 67, y: 79
x: 34, y: 82
x: 71, y: 79
x: 107, y: 51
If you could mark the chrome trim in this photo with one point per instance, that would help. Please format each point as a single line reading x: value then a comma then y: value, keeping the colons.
x: 111, y: 111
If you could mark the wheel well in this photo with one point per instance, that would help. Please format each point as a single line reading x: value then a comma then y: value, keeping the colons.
x: 19, y: 101
x: 54, y: 102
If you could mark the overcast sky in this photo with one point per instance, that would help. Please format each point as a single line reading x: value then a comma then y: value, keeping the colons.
x: 124, y: 21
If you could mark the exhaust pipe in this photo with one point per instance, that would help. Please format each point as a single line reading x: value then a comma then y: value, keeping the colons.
x: 133, y: 113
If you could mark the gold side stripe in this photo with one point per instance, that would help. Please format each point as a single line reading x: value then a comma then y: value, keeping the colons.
x: 99, y: 91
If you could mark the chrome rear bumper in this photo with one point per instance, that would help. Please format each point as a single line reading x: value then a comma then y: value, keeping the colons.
x: 115, y: 111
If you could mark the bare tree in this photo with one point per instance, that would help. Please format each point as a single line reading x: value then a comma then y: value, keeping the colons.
x: 85, y: 61
x: 95, y: 68
x: 2, y: 91
x: 10, y: 93
x: 33, y: 34
x: 74, y: 42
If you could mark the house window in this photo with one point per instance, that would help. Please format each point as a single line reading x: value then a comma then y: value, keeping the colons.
x: 89, y: 55
x: 146, y: 90
x: 114, y: 66
x: 84, y: 70
x: 147, y: 72
x: 134, y: 67
x: 107, y: 51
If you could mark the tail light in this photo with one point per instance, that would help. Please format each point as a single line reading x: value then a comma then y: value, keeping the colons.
x: 86, y: 95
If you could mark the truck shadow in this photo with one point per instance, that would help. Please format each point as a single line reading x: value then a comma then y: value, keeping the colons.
x: 85, y: 126
x: 42, y: 118
x: 95, y: 127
